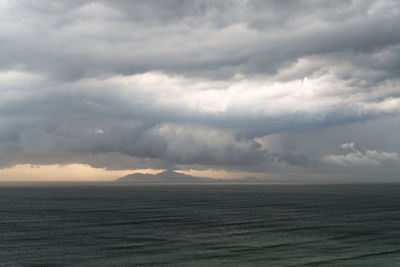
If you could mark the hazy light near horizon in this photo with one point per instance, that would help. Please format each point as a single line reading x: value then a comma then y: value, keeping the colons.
x: 226, y: 89
x: 56, y: 172
x: 85, y: 173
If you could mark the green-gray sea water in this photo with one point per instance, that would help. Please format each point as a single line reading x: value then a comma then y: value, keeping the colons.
x: 200, y: 225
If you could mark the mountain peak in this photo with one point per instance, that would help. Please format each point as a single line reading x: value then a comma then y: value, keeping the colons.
x: 171, y: 177
x: 168, y: 176
x: 168, y: 172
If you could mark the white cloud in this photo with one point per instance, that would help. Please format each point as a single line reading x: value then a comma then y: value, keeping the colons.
x: 359, y: 158
x: 314, y: 97
x: 347, y: 146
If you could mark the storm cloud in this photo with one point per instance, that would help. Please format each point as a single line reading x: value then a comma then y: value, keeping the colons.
x: 265, y: 86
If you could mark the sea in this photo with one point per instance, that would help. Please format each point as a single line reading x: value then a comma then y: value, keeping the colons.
x: 200, y: 225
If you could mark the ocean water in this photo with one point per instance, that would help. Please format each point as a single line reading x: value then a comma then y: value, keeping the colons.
x: 200, y: 225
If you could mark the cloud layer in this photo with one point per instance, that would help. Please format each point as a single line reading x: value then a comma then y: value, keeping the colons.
x: 271, y: 86
x: 358, y: 158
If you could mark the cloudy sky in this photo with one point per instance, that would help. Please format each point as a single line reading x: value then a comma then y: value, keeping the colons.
x: 279, y: 89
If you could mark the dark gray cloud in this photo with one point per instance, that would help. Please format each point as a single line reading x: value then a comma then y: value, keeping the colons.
x: 239, y: 85
x: 213, y: 40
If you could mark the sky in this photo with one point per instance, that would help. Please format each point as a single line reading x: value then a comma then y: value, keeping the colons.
x: 91, y: 90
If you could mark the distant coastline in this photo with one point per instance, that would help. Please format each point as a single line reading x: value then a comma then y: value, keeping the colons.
x: 172, y: 177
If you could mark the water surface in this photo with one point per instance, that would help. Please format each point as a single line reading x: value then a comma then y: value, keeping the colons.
x: 201, y: 225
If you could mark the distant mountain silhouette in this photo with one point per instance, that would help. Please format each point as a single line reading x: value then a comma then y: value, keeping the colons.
x: 169, y: 176
x: 163, y: 177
